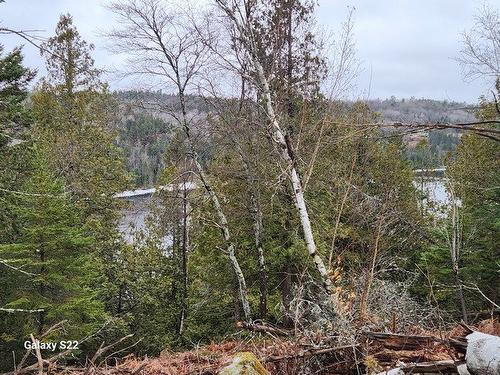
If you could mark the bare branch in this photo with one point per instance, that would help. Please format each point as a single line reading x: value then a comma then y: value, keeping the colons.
x: 11, y: 311
x: 6, y: 263
x: 480, y: 54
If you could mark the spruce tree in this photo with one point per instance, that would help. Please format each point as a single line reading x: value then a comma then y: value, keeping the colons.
x: 51, y: 269
x: 14, y: 118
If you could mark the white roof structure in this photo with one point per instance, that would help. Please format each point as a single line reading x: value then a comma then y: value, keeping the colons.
x: 147, y: 192
x: 430, y: 170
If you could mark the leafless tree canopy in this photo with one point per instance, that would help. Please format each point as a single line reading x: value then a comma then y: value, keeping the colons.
x: 160, y: 40
x: 480, y: 55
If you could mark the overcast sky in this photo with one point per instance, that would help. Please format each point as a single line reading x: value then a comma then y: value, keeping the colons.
x: 406, y: 46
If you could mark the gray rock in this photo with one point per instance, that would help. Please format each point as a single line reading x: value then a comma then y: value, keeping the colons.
x: 483, y: 354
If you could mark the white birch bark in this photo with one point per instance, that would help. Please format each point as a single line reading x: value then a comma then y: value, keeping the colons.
x: 237, y: 13
x: 222, y: 221
x: 279, y: 138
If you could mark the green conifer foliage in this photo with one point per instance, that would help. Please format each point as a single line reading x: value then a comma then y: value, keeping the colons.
x: 53, y: 269
x: 14, y: 79
x: 75, y: 117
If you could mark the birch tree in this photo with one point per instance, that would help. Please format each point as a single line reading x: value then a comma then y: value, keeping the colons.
x: 247, y: 49
x: 237, y: 129
x: 162, y: 45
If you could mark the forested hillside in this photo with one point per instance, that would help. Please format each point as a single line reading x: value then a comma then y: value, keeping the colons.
x: 284, y: 223
x: 144, y: 132
x: 422, y: 110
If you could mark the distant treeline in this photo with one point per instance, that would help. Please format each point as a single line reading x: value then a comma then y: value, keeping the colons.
x: 422, y: 110
x: 146, y: 128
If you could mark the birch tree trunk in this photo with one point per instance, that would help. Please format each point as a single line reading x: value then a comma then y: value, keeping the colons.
x: 222, y: 221
x: 238, y: 14
x: 455, y: 250
x: 185, y: 252
x: 286, y: 153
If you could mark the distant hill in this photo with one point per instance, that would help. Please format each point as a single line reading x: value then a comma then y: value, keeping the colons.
x: 422, y: 110
x: 426, y: 149
x: 146, y: 125
x: 391, y: 110
x: 145, y: 130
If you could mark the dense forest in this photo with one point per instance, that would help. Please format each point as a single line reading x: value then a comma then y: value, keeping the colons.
x: 302, y: 224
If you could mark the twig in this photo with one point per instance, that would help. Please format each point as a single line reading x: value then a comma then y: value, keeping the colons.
x: 33, y: 194
x: 103, y: 350
x: 5, y: 263
x: 254, y: 327
x: 476, y: 288
x: 119, y: 351
x: 140, y: 367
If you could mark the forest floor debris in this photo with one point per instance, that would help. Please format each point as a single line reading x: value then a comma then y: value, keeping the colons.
x: 375, y: 352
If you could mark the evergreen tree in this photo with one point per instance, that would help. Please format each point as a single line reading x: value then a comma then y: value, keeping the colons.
x: 52, y: 271
x: 75, y: 117
x: 14, y: 118
x: 476, y: 175
x: 14, y: 80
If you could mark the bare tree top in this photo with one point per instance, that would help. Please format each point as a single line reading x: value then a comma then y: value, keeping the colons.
x: 480, y: 55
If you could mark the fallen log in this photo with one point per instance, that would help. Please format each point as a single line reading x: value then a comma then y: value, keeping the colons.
x: 402, y: 342
x: 482, y: 353
x: 309, y: 353
x: 387, y: 357
x: 437, y: 367
x: 458, y: 343
x: 414, y: 342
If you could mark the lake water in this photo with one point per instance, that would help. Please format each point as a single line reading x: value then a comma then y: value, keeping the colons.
x: 437, y: 199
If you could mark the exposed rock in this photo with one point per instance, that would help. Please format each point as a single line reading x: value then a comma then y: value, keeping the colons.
x: 483, y: 354
x: 244, y: 363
